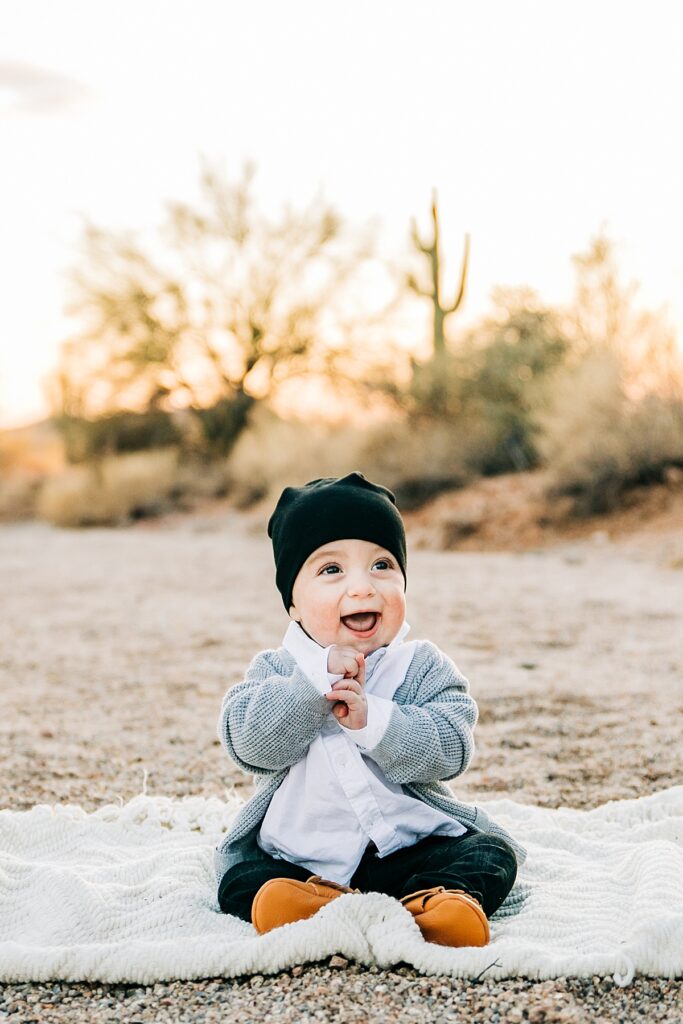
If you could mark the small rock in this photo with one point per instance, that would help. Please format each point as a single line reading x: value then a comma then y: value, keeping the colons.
x: 256, y: 980
x: 297, y: 970
x: 338, y: 961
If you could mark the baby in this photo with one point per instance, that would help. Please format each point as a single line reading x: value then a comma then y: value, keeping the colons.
x: 353, y: 731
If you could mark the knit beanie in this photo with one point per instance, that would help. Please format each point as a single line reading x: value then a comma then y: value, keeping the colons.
x: 332, y: 508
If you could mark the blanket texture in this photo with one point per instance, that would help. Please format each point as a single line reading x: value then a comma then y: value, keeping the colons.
x: 127, y: 894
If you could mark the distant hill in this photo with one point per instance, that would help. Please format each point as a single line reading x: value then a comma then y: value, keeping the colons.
x: 34, y: 448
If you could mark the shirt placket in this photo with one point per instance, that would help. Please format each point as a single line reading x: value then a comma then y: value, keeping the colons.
x: 348, y: 767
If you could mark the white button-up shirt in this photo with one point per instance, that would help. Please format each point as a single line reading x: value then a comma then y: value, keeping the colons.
x: 336, y: 800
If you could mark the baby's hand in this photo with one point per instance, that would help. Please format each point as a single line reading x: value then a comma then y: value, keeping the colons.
x: 347, y: 662
x: 350, y: 704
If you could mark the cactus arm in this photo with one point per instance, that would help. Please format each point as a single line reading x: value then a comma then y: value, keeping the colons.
x: 463, y: 277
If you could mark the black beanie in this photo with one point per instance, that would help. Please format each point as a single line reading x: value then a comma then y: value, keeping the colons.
x: 332, y: 508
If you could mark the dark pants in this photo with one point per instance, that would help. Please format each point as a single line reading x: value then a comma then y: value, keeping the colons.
x: 478, y: 863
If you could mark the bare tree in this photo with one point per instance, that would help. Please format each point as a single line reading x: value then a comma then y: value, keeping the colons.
x: 217, y: 315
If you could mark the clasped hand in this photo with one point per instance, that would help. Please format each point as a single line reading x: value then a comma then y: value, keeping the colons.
x: 351, y: 706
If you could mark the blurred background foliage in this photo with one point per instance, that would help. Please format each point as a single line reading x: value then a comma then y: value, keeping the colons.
x: 230, y: 306
x: 185, y: 379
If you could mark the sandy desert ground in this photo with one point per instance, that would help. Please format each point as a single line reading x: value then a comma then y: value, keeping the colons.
x: 116, y: 647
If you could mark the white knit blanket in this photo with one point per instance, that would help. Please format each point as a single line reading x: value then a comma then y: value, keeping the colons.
x: 127, y: 894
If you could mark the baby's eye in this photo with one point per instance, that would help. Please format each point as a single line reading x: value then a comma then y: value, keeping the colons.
x: 329, y: 570
x: 383, y: 563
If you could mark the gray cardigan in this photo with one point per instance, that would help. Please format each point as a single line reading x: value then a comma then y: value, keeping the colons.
x: 268, y: 721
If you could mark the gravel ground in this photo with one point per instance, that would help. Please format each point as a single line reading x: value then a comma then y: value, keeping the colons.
x: 349, y: 993
x: 116, y: 648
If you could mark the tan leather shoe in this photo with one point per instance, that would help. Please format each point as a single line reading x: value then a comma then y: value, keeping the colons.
x: 283, y: 900
x: 449, y: 917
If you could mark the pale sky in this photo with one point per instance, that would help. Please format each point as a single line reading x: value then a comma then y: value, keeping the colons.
x: 537, y: 122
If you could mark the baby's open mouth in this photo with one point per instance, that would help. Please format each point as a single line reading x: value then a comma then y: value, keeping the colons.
x: 361, y: 622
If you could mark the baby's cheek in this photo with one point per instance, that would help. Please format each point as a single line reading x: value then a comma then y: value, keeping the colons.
x: 331, y: 623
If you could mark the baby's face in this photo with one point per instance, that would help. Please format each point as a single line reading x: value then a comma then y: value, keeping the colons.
x: 350, y: 592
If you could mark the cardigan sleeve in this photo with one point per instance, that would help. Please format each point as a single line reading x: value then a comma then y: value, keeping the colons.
x: 430, y: 737
x: 268, y: 721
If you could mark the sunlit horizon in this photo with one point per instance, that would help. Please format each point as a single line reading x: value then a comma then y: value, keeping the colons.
x: 537, y: 124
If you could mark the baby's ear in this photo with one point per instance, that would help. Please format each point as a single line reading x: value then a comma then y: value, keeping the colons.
x: 293, y: 613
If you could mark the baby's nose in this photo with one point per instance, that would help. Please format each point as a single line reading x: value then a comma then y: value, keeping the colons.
x: 360, y: 585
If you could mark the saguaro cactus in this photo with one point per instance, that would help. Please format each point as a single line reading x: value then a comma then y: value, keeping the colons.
x: 432, y: 251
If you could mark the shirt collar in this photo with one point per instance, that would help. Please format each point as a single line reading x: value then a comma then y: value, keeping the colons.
x: 295, y: 637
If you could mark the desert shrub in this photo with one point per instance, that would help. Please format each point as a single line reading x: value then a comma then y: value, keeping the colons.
x: 198, y: 480
x: 416, y: 460
x: 124, y: 431
x: 212, y: 430
x: 110, y: 491
x: 27, y: 456
x: 273, y: 453
x: 597, y: 442
x: 18, y: 493
x: 491, y: 383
